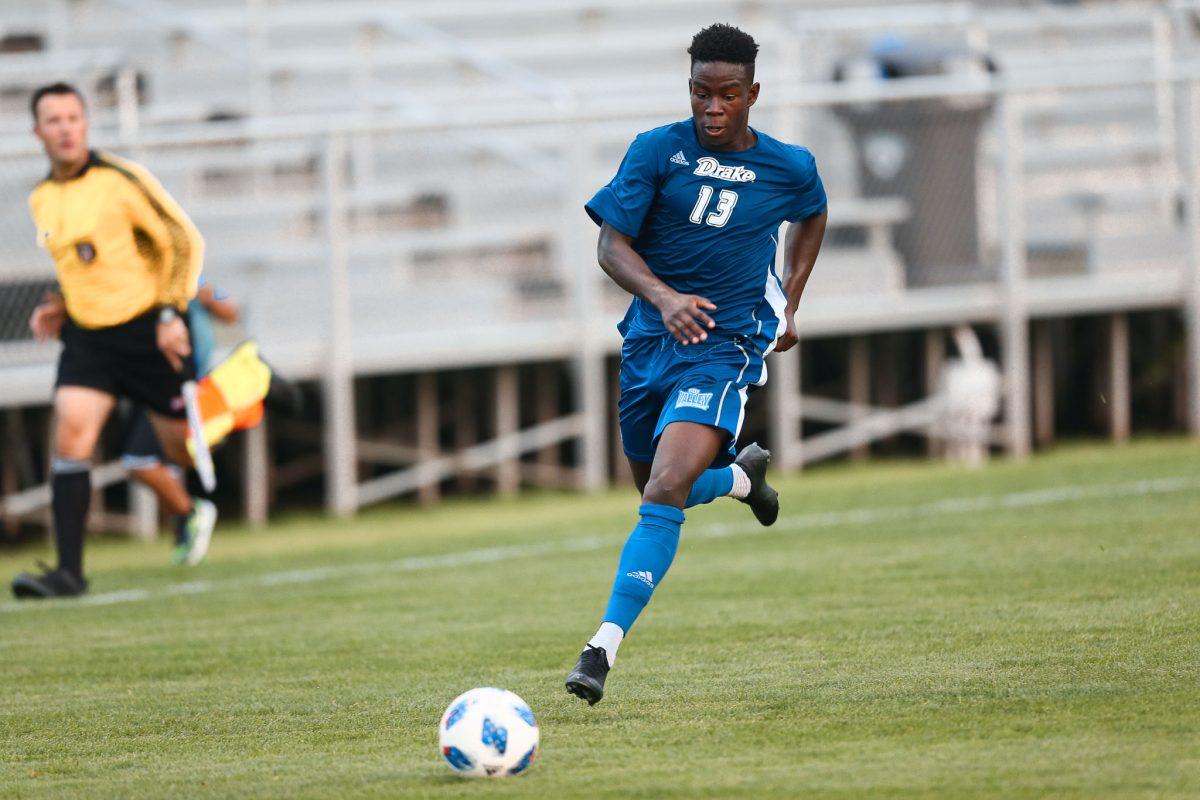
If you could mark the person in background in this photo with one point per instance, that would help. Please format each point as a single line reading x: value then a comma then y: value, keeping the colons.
x: 143, y: 456
x: 128, y: 261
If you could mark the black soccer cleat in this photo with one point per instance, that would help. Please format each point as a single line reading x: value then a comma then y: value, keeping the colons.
x: 51, y: 583
x: 586, y: 681
x: 763, y: 500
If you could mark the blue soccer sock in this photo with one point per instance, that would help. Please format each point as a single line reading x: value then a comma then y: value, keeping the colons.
x: 711, y: 484
x: 647, y: 555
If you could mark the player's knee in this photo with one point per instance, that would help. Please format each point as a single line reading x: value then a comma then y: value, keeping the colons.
x: 668, y: 486
x: 74, y: 439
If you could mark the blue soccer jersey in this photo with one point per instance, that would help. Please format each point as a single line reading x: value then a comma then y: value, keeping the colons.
x: 706, y: 222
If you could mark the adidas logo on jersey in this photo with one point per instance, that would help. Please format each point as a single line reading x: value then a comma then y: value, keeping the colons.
x: 709, y: 167
x: 679, y: 159
x: 694, y: 398
x: 643, y: 576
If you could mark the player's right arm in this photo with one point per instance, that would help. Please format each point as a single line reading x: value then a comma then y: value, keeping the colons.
x: 619, y: 208
x: 683, y: 314
x: 219, y: 305
x: 47, y: 319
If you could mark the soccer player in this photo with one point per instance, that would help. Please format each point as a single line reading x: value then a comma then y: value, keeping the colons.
x: 688, y: 226
x: 128, y: 260
x: 142, y: 455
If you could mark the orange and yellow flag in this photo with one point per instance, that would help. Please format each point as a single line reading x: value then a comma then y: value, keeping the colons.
x: 231, y: 395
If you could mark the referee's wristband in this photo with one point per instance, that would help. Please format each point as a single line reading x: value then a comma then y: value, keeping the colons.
x: 167, y: 314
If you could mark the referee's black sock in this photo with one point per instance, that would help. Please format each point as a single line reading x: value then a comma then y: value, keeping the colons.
x: 71, y: 494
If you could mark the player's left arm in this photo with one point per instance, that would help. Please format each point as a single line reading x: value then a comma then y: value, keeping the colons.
x: 801, y: 246
x: 154, y: 211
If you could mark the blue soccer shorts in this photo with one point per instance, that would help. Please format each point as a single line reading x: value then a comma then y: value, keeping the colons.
x: 663, y: 381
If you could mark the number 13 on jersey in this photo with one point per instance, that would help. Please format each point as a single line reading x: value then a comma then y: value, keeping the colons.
x: 726, y: 200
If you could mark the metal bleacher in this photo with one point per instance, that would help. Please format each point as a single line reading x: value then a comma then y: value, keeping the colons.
x: 440, y: 152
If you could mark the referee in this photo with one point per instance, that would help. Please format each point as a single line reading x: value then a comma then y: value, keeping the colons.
x: 128, y: 261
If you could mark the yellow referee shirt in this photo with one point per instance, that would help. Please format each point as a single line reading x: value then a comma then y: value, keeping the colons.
x: 121, y: 244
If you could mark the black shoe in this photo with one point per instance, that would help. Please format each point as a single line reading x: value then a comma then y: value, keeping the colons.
x: 763, y: 500
x: 51, y: 583
x: 586, y: 681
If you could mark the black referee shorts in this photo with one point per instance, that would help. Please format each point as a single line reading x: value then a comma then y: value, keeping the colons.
x: 124, y: 361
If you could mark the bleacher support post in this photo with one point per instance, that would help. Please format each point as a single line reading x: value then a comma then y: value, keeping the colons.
x: 143, y: 511
x: 784, y: 398
x: 577, y: 250
x: 1118, y: 377
x: 338, y: 380
x: 1014, y: 321
x: 1191, y: 155
x: 507, y: 423
x: 784, y: 393
x: 256, y: 469
x: 427, y: 431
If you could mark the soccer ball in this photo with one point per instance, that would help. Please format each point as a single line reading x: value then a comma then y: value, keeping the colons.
x: 488, y: 733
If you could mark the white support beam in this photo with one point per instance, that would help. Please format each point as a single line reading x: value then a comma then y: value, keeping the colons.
x: 577, y: 255
x: 879, y: 425
x: 1191, y: 157
x: 338, y: 379
x: 37, y: 498
x: 784, y: 409
x: 785, y: 370
x: 478, y: 457
x: 1014, y: 322
x: 256, y: 468
x: 143, y: 512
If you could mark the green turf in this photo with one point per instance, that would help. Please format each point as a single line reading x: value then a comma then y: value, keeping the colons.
x: 1040, y: 645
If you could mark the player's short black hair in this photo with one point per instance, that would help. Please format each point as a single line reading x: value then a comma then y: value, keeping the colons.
x: 721, y: 42
x: 52, y: 88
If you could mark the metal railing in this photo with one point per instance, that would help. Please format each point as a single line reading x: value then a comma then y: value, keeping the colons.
x: 378, y: 242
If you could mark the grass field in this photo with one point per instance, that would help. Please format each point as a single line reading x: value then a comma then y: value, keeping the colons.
x: 905, y: 630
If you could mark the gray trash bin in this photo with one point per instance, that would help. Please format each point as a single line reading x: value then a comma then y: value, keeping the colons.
x: 925, y: 151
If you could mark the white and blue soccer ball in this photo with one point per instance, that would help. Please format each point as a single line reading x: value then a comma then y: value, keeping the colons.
x: 488, y: 733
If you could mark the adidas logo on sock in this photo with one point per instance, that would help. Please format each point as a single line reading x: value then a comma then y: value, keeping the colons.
x: 679, y: 159
x: 643, y: 576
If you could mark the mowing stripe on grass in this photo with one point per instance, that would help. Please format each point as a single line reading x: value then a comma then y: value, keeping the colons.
x: 799, y: 522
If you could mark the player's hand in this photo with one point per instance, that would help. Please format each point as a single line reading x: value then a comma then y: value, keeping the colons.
x: 173, y: 342
x: 47, y: 319
x: 684, y: 316
x: 790, y: 335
